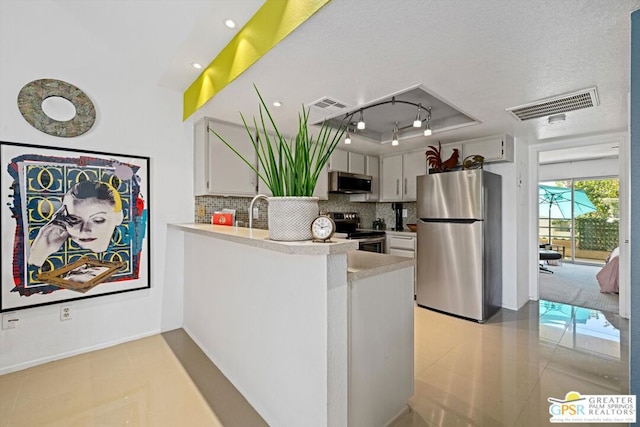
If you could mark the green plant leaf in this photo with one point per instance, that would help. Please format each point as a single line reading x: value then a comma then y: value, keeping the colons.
x: 288, y: 167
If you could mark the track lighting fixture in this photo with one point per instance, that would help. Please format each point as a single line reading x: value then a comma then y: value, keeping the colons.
x: 417, y: 123
x: 394, y: 139
x: 361, y: 124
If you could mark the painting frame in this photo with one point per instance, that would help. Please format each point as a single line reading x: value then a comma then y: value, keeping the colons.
x: 67, y: 211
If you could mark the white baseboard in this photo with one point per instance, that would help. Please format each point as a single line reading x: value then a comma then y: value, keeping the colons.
x: 399, y: 415
x: 36, y: 362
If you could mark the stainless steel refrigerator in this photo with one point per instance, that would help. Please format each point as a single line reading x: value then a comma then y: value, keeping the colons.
x: 459, y: 257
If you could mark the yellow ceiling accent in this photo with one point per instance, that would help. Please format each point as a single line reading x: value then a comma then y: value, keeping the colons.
x: 275, y: 20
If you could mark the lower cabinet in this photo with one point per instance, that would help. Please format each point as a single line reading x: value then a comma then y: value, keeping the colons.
x: 402, y: 244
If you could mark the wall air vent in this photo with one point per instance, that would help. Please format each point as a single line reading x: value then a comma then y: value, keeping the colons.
x: 585, y: 98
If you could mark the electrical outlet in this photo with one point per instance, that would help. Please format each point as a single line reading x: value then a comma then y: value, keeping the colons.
x: 201, y: 210
x: 256, y: 213
x: 65, y: 312
x: 404, y: 213
x: 9, y: 320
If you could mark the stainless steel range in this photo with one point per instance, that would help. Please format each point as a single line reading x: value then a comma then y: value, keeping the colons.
x: 347, y: 228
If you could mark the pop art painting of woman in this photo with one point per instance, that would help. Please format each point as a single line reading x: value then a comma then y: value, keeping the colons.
x: 63, y: 206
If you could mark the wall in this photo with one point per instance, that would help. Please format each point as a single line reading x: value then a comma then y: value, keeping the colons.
x: 134, y: 116
x: 634, y: 324
x: 510, y: 226
x: 525, y: 253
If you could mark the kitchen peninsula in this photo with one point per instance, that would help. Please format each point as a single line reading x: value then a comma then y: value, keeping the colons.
x: 315, y: 334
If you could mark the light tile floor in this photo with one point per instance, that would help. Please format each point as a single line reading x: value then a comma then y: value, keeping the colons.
x: 497, y: 374
x: 502, y: 372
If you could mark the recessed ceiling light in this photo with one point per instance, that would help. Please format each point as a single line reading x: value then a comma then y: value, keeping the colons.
x: 277, y: 104
x: 196, y: 65
x: 230, y: 23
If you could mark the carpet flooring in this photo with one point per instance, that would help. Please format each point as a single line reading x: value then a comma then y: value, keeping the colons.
x: 576, y: 284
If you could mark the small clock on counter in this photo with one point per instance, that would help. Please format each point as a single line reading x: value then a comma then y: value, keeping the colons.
x: 322, y: 228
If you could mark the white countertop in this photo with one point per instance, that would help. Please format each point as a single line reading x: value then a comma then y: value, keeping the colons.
x: 260, y: 238
x: 362, y: 264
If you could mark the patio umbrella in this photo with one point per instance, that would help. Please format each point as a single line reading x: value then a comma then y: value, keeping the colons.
x: 555, y: 202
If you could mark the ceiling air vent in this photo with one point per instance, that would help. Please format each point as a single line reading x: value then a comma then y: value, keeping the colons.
x: 328, y: 106
x: 585, y: 98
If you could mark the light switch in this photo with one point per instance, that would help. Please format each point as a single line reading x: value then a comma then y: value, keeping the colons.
x: 201, y: 210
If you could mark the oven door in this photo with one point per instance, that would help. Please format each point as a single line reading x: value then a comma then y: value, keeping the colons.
x: 375, y: 244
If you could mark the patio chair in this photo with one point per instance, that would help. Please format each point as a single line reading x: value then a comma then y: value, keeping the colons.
x: 547, y: 255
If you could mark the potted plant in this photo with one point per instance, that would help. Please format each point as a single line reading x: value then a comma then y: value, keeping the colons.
x: 290, y: 168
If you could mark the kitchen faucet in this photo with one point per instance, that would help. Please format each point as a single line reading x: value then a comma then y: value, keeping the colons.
x: 259, y: 196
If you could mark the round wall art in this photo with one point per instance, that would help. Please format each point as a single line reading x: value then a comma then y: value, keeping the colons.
x: 34, y: 93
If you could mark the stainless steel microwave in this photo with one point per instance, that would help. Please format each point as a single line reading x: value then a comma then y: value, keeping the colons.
x: 349, y: 183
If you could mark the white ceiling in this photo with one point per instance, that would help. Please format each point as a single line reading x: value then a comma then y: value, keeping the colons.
x: 479, y: 56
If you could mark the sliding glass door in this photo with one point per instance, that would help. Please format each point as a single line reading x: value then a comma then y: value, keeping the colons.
x: 580, y: 218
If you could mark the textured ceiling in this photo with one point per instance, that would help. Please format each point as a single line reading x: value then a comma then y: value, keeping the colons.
x: 481, y: 56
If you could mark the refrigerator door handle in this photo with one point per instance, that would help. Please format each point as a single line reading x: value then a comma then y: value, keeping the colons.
x: 449, y: 220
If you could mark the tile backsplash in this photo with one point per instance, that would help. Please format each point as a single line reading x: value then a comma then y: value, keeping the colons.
x: 367, y: 211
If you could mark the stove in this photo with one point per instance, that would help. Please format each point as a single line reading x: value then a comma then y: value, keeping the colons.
x: 347, y: 228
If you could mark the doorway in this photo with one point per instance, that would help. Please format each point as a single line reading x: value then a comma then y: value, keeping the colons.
x: 583, y: 222
x: 598, y: 154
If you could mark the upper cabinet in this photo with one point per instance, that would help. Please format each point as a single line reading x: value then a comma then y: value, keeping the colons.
x: 347, y: 161
x: 217, y: 169
x: 371, y: 168
x: 357, y: 163
x: 494, y: 148
x: 339, y: 160
x: 399, y: 174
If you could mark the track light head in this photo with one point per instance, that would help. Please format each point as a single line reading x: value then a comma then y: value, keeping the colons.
x: 394, y: 139
x: 361, y: 124
x: 418, y: 121
x: 427, y: 128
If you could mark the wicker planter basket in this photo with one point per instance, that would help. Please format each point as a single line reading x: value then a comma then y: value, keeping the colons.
x: 290, y: 217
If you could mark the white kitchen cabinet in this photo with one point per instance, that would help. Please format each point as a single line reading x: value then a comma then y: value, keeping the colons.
x: 399, y: 174
x: 413, y: 165
x: 217, y: 169
x: 339, y: 160
x: 391, y: 182
x: 357, y: 163
x: 347, y: 161
x: 371, y: 168
x: 494, y: 148
x: 402, y: 244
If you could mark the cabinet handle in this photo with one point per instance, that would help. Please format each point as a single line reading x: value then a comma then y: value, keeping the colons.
x: 405, y: 186
x: 397, y: 186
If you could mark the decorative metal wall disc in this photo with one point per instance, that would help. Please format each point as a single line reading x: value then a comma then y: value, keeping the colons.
x: 33, y: 94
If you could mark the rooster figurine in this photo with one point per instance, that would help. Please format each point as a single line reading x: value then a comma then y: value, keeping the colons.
x: 434, y: 159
